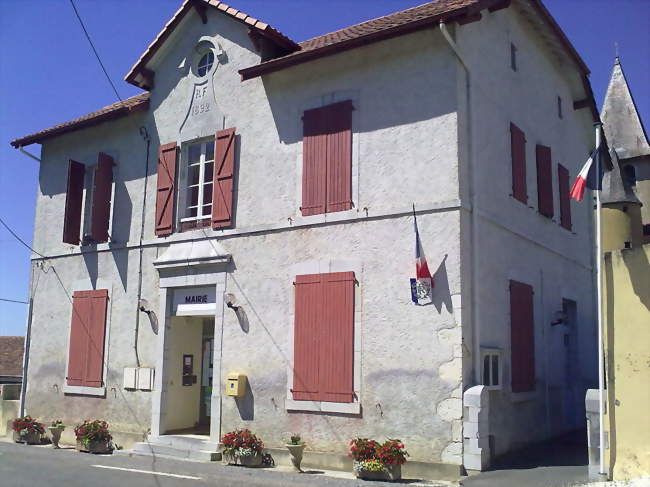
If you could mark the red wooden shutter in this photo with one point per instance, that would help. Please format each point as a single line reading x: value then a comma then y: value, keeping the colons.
x: 339, y: 157
x: 73, y: 202
x: 87, y: 334
x: 337, y: 338
x: 78, y: 339
x: 518, y: 154
x: 308, y: 317
x: 565, y: 197
x: 97, y: 333
x: 544, y: 181
x: 166, y: 189
x: 324, y: 337
x: 222, y: 185
x: 102, y: 193
x: 314, y: 161
x: 522, y: 337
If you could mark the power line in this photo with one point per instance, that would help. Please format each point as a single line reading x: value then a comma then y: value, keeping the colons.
x: 13, y: 301
x: 18, y: 238
x: 95, y: 50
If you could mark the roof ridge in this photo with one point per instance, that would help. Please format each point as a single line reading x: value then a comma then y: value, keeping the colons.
x: 252, y: 22
x: 108, y: 112
x: 374, y: 19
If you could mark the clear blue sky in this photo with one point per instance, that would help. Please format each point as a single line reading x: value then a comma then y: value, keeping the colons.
x: 49, y: 75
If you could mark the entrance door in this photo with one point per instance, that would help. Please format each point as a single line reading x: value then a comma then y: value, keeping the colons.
x: 183, y: 383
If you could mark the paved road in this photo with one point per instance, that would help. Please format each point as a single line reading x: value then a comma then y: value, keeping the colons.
x: 32, y: 466
x: 561, y: 462
x: 555, y: 464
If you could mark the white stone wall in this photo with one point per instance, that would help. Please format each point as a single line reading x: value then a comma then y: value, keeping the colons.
x: 409, y: 146
x: 514, y: 241
x: 405, y: 151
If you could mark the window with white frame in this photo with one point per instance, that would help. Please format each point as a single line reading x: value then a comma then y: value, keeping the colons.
x: 196, y: 184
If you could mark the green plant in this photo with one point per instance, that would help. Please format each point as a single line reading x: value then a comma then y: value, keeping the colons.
x: 56, y: 423
x: 295, y: 439
x: 241, y: 443
x: 26, y: 425
x: 96, y: 430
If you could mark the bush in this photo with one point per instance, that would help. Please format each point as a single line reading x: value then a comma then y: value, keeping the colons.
x: 26, y: 425
x: 96, y: 430
x: 241, y: 442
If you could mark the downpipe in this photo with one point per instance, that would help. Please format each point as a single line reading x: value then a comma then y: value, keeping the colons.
x: 145, y: 136
x: 473, y: 215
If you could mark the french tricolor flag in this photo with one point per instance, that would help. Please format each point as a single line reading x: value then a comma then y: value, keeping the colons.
x: 422, y: 284
x: 587, y: 177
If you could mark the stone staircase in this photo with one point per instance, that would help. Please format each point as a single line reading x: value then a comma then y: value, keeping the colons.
x: 182, y: 447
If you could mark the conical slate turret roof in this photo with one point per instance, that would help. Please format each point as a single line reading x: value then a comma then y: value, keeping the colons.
x: 622, y: 124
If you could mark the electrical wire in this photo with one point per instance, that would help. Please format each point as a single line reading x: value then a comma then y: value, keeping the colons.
x: 14, y: 301
x: 95, y: 50
x: 18, y: 238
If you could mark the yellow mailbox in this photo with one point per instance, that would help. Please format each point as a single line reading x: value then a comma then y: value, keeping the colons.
x: 236, y: 385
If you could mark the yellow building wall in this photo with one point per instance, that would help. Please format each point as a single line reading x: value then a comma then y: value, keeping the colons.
x: 626, y: 295
x: 183, y: 401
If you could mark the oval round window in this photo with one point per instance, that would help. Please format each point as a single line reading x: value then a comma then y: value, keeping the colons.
x: 205, y: 63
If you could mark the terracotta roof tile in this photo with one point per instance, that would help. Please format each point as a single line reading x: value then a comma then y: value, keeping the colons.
x: 11, y: 355
x: 372, y: 30
x: 262, y: 27
x: 400, y: 23
x: 397, y: 22
x: 116, y: 110
x: 428, y: 10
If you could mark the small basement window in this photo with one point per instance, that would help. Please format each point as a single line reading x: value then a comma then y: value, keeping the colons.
x: 491, y: 367
x: 205, y: 63
x: 559, y: 107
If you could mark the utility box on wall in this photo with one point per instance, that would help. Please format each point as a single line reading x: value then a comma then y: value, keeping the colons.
x: 145, y: 379
x: 130, y: 378
x: 236, y: 385
x: 138, y: 378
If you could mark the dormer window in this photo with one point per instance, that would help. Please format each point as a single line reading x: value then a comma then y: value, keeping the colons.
x: 205, y: 63
x: 629, y: 173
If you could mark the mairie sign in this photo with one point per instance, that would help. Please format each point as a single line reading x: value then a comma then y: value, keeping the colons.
x: 194, y: 301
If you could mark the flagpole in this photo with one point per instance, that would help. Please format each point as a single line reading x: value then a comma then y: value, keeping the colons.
x: 599, y: 287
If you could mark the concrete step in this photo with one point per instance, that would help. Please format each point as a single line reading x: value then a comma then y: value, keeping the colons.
x: 156, y: 449
x: 185, y: 442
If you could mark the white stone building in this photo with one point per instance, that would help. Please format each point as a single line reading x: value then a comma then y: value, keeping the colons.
x: 290, y: 261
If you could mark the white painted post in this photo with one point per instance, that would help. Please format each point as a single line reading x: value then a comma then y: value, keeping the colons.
x: 601, y: 352
x: 217, y: 351
x: 159, y: 391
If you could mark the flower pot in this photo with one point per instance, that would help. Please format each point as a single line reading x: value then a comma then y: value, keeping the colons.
x: 33, y: 438
x: 56, y: 431
x: 296, y: 455
x: 94, y: 446
x: 391, y: 473
x: 254, y: 460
